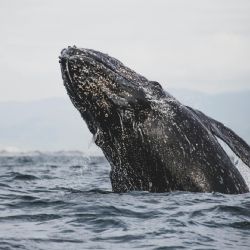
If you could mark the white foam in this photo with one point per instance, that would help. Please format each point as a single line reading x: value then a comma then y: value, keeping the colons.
x: 9, y: 149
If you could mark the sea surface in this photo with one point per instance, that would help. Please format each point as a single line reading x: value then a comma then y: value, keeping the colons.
x: 64, y: 200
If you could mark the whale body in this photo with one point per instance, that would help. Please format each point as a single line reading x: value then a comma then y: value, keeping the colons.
x: 151, y: 140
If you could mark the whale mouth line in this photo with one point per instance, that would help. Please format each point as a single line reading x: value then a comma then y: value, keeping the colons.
x: 67, y: 71
x: 68, y: 82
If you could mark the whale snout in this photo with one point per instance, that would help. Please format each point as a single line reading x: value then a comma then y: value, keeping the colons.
x: 69, y: 51
x: 68, y: 70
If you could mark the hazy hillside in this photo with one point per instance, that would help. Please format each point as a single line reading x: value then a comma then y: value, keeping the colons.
x: 54, y: 124
x: 50, y: 124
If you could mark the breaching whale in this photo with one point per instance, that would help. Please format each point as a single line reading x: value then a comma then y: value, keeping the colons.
x: 152, y: 141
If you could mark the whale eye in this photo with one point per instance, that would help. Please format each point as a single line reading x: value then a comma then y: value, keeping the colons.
x: 156, y: 87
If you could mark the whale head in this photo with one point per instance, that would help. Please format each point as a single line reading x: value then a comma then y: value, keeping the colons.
x: 118, y: 106
x: 106, y: 93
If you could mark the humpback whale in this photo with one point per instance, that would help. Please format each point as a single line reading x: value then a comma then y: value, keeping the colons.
x: 152, y: 141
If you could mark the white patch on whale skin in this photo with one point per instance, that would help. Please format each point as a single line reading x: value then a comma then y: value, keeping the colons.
x: 221, y: 180
x: 239, y: 164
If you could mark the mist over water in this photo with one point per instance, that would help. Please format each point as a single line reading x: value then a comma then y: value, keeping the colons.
x: 64, y: 200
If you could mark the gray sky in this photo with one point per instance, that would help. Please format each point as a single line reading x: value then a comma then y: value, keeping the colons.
x: 197, y: 44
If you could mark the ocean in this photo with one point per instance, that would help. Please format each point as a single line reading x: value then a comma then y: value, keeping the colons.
x: 64, y: 200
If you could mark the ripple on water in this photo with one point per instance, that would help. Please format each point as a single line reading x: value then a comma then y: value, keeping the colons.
x: 23, y: 177
x: 64, y: 201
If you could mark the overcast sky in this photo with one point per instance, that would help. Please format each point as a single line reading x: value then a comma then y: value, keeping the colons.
x: 197, y: 44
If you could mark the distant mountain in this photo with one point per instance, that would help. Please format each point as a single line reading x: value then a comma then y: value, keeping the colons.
x: 49, y: 124
x: 54, y: 124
